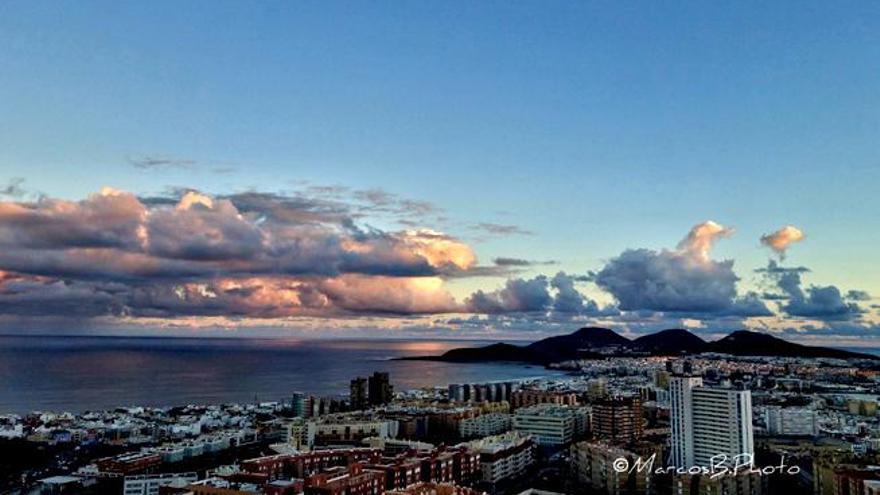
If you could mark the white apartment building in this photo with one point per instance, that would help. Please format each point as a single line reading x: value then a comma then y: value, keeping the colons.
x: 485, y: 425
x: 550, y: 424
x: 708, y: 423
x: 681, y: 419
x: 791, y: 421
x: 148, y: 484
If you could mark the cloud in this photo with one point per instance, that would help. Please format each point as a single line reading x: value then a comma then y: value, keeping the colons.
x: 115, y: 235
x: 699, y: 241
x: 381, y: 201
x: 512, y: 262
x: 517, y: 295
x: 497, y: 229
x: 519, y: 262
x: 34, y: 297
x: 683, y: 280
x: 280, y: 297
x: 187, y: 257
x: 858, y: 295
x: 568, y: 299
x: 548, y: 297
x: 13, y: 188
x: 250, y: 254
x: 820, y: 302
x: 780, y: 240
x: 148, y: 162
x: 417, y: 295
x: 109, y: 219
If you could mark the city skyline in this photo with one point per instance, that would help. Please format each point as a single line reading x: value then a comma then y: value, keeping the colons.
x: 439, y: 171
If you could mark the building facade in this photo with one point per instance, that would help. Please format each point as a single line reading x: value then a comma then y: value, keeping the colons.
x: 709, y: 425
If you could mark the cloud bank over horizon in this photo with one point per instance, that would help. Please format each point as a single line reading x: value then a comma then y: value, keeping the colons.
x: 190, y: 259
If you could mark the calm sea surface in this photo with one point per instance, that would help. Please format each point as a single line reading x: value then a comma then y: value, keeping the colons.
x: 88, y: 373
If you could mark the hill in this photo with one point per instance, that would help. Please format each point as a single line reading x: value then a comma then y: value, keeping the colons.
x: 594, y: 342
x: 672, y: 341
x: 746, y: 343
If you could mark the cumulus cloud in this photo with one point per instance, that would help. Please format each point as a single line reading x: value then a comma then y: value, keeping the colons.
x: 568, y: 299
x: 517, y: 295
x: 109, y: 219
x: 549, y: 297
x: 683, y: 280
x: 699, y: 241
x: 780, y: 240
x: 820, y: 302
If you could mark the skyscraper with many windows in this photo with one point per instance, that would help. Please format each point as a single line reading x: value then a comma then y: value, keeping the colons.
x: 708, y: 424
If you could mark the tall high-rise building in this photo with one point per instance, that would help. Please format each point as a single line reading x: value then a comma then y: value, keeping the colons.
x: 680, y: 416
x: 708, y: 424
x: 381, y: 391
x: 357, y: 396
x: 617, y: 419
x: 301, y: 405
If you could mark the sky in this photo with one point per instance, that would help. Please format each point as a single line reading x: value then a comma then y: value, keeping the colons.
x: 440, y: 168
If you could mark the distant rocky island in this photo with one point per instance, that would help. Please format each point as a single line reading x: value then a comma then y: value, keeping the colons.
x: 595, y: 342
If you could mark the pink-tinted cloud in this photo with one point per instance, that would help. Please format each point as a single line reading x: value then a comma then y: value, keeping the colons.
x: 780, y: 240
x: 114, y: 234
x: 252, y: 256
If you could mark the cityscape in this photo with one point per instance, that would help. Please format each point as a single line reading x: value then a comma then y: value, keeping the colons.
x: 689, y: 424
x: 481, y: 247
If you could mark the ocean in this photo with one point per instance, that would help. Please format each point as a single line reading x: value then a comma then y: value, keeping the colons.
x: 91, y: 373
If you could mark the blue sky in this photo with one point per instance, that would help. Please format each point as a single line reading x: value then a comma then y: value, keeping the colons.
x: 596, y: 126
